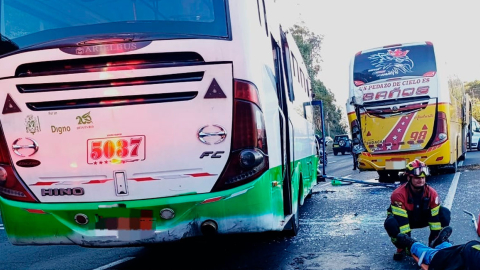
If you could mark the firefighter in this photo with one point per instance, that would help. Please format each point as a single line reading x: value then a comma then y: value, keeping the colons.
x: 414, y: 205
x: 443, y: 255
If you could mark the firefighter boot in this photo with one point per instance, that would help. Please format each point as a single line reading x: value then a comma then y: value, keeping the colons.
x: 442, y: 237
x: 405, y: 241
x: 399, y: 255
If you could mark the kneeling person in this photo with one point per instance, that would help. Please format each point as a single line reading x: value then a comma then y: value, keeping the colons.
x: 415, y: 205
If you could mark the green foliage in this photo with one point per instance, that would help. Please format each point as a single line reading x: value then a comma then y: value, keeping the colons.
x: 473, y: 90
x: 310, y: 46
x: 476, y: 108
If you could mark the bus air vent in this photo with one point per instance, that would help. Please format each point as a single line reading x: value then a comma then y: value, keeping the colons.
x: 62, y: 86
x: 110, y: 101
x: 109, y: 63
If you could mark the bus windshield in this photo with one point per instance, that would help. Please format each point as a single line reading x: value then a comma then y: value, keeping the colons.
x: 388, y: 63
x: 32, y: 22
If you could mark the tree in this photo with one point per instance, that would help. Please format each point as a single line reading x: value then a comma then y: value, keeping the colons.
x: 473, y: 89
x: 310, y: 46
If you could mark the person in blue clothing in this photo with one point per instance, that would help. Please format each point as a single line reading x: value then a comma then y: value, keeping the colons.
x: 444, y: 255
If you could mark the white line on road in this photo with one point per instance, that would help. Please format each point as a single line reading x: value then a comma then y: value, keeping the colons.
x: 114, y: 263
x: 460, y: 164
x: 347, y: 176
x: 451, y: 191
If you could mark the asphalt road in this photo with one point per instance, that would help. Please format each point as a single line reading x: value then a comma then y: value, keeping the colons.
x: 341, y: 227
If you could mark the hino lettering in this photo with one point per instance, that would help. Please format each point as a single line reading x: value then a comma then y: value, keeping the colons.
x: 78, y: 191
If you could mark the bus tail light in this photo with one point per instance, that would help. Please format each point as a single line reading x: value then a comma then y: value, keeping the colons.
x: 441, y: 134
x: 246, y: 91
x: 249, y: 153
x: 11, y: 187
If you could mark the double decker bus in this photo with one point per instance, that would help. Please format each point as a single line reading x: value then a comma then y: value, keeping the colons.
x: 134, y: 122
x: 405, y: 104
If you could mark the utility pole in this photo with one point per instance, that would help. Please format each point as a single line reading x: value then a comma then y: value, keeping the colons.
x: 328, y: 124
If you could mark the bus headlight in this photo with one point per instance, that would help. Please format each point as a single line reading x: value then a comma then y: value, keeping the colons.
x: 442, y: 136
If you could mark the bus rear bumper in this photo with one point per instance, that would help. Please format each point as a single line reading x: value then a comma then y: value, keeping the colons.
x: 434, y: 156
x: 133, y: 223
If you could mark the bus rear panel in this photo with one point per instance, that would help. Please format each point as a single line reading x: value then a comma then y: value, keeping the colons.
x: 123, y: 125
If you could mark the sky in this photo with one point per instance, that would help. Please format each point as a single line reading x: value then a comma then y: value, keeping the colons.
x: 349, y: 26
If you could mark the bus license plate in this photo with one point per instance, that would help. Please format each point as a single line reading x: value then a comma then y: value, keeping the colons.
x: 116, y: 150
x: 398, y: 164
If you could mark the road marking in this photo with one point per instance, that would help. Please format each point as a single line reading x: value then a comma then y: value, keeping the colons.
x: 451, y: 191
x: 460, y: 164
x: 1, y: 227
x: 114, y: 263
x: 347, y: 176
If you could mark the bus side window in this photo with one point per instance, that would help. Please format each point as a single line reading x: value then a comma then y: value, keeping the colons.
x: 265, y: 16
x: 302, y: 77
x: 287, y: 65
x: 259, y: 16
x: 298, y: 73
x: 293, y: 64
x: 278, y: 69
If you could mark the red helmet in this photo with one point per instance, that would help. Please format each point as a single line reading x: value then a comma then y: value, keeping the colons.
x: 417, y: 168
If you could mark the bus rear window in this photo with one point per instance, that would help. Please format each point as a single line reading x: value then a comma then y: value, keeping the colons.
x: 388, y: 63
x: 30, y: 22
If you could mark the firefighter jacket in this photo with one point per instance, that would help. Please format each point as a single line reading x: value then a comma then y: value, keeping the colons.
x: 415, y: 210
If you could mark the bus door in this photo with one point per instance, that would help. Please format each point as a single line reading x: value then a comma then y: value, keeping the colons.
x: 284, y: 129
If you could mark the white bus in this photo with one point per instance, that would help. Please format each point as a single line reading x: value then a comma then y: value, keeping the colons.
x: 130, y: 122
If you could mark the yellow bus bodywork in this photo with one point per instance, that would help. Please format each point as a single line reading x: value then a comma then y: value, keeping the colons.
x: 384, y: 153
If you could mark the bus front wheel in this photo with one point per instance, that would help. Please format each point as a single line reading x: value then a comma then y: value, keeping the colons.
x: 293, y: 225
x: 454, y: 167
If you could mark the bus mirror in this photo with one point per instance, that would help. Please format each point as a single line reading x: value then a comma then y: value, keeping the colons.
x: 310, y: 103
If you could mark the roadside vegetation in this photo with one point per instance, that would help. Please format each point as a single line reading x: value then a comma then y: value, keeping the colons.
x: 473, y: 90
x: 310, y: 46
